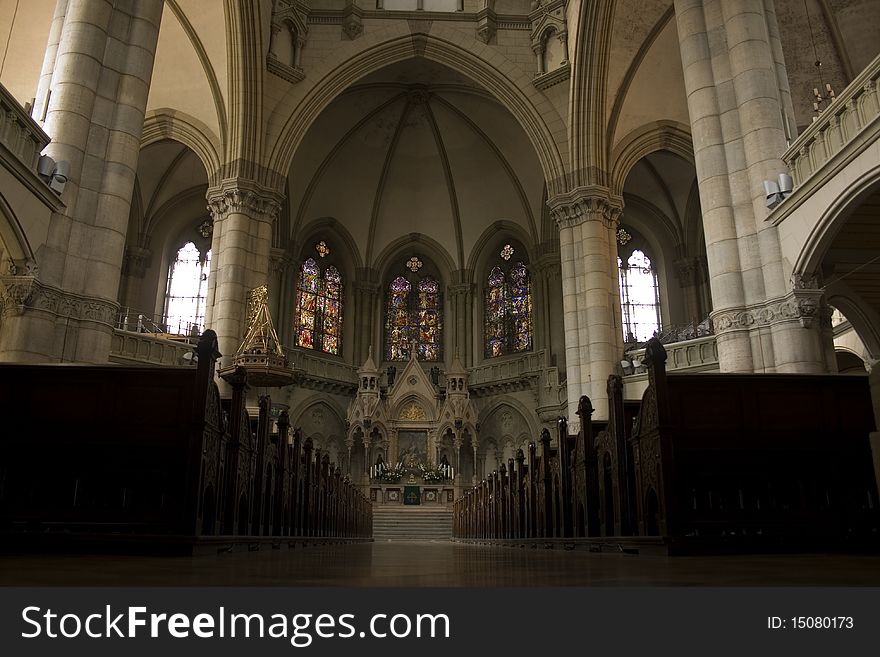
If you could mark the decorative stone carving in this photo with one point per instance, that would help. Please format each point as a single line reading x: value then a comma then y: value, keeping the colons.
x: 547, y: 22
x: 353, y: 21
x: 279, y: 260
x: 801, y: 281
x: 546, y: 80
x: 18, y: 294
x: 260, y: 206
x: 802, y: 305
x: 487, y: 25
x: 290, y: 22
x: 585, y: 204
x: 135, y: 261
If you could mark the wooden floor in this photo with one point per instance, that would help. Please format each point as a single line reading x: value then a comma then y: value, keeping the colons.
x: 443, y: 564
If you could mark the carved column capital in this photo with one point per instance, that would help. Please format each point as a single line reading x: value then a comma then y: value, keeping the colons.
x: 233, y: 198
x: 589, y: 203
x: 135, y: 261
x: 16, y: 293
x: 280, y: 260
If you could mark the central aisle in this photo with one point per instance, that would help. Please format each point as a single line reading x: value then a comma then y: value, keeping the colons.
x: 413, y: 564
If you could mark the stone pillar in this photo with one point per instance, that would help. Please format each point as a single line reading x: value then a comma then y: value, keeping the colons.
x: 545, y: 275
x: 240, y: 251
x: 739, y: 109
x: 41, y: 99
x: 393, y: 449
x: 587, y: 220
x: 460, y: 302
x: 363, y: 318
x: 134, y: 268
x: 539, y: 58
x: 93, y: 93
x: 282, y: 293
x: 690, y: 275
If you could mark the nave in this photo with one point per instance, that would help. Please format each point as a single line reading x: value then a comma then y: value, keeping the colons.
x: 438, y: 564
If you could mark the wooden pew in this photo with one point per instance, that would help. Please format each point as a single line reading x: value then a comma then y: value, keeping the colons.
x: 762, y: 461
x: 712, y: 462
x: 153, y: 459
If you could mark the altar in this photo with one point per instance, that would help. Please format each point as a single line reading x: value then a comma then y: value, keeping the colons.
x: 411, y: 432
x: 412, y: 495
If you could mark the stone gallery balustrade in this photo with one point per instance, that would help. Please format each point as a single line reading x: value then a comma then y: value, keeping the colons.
x: 19, y: 133
x: 845, y: 119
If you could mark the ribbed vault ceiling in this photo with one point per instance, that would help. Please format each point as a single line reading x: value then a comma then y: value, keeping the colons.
x: 417, y: 148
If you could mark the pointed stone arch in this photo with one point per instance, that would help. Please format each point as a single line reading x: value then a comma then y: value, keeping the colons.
x: 442, y: 44
x: 178, y: 126
x: 658, y: 136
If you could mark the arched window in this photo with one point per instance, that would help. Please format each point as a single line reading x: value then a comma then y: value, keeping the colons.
x: 413, y: 314
x: 186, y: 292
x: 508, y: 311
x: 318, y: 321
x: 639, y: 297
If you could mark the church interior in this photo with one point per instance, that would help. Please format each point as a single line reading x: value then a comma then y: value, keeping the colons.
x: 446, y: 292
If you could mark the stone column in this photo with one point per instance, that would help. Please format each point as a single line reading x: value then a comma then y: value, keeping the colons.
x: 460, y: 302
x: 689, y: 272
x: 241, y: 247
x: 41, y: 99
x: 740, y: 115
x: 133, y: 270
x: 363, y: 318
x: 282, y: 292
x: 587, y: 220
x: 393, y: 449
x: 545, y: 273
x: 93, y: 93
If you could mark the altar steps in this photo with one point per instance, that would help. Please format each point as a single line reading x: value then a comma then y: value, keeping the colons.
x: 406, y: 523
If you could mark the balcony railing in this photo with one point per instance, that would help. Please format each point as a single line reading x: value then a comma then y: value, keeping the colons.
x: 697, y: 355
x: 318, y: 372
x: 856, y: 108
x: 132, y: 347
x: 19, y: 133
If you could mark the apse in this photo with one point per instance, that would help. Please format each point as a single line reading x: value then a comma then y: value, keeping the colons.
x: 416, y: 148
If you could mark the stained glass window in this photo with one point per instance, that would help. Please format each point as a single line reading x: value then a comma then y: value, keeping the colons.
x: 413, y: 318
x: 508, y: 311
x: 639, y: 297
x: 187, y: 289
x: 429, y: 320
x: 318, y: 319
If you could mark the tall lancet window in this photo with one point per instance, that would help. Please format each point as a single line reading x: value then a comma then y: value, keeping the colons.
x: 639, y: 297
x: 413, y: 314
x: 186, y: 292
x: 318, y: 320
x: 508, y: 310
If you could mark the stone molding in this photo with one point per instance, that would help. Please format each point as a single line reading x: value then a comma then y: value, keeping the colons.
x: 135, y: 261
x: 292, y: 74
x: 583, y: 204
x: 487, y: 25
x: 353, y: 21
x: 259, y: 205
x: 280, y: 260
x: 802, y: 305
x: 19, y: 294
x: 544, y: 81
x: 691, y: 271
x: 459, y: 289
